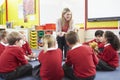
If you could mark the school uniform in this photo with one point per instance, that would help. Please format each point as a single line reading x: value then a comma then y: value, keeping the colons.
x: 51, y: 64
x: 109, y: 59
x: 83, y: 60
x: 2, y: 47
x: 26, y: 48
x: 13, y: 63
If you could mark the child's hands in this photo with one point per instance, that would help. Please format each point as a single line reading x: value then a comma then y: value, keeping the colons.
x: 60, y: 34
x: 33, y: 55
x: 26, y: 57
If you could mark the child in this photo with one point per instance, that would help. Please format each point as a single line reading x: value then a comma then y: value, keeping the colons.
x: 98, y: 40
x: 26, y: 48
x: 81, y: 57
x: 3, y: 40
x: 109, y: 59
x: 51, y: 60
x: 12, y: 61
x: 40, y: 43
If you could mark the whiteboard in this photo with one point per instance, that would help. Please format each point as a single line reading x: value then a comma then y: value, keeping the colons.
x: 50, y: 11
x: 103, y: 8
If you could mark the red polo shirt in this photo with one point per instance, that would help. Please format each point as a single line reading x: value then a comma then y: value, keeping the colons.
x: 110, y: 56
x: 11, y: 58
x: 83, y: 60
x: 26, y: 48
x: 51, y: 65
x: 2, y: 47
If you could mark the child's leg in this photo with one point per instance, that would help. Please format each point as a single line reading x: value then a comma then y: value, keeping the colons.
x: 103, y: 66
x: 36, y: 71
x: 8, y: 76
x: 24, y: 70
x: 68, y: 72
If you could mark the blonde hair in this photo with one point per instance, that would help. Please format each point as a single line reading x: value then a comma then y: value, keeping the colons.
x: 22, y: 32
x: 13, y: 37
x: 48, y: 41
x: 63, y: 21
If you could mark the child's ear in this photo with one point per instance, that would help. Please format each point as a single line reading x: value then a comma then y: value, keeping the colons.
x: 16, y: 42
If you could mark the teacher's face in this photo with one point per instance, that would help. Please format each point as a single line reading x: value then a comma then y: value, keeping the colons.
x: 68, y: 16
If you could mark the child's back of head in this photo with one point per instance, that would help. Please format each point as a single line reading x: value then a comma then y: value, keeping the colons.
x: 72, y: 37
x: 13, y: 37
x: 112, y: 39
x: 49, y: 41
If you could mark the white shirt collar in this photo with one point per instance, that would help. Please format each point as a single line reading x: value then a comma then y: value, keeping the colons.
x: 4, y: 44
x: 77, y: 45
x: 24, y: 42
x: 51, y: 49
x: 107, y: 44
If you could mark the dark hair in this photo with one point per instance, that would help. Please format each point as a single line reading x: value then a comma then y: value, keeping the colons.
x: 72, y: 37
x: 99, y: 33
x: 13, y: 37
x: 112, y: 39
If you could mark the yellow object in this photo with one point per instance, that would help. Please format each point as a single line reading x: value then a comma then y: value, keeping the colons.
x: 3, y: 14
x: 33, y: 39
x: 99, y: 24
x: 102, y: 24
x: 93, y: 45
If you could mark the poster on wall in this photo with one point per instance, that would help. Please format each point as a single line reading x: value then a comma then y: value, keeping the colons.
x: 28, y: 8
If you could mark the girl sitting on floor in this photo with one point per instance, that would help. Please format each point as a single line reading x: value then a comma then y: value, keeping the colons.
x: 51, y: 60
x: 109, y: 59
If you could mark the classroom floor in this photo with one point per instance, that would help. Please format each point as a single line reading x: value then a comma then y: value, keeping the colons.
x: 100, y: 75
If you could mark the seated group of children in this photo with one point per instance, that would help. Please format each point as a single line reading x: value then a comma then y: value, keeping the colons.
x: 82, y: 60
x: 81, y: 63
x: 14, y: 55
